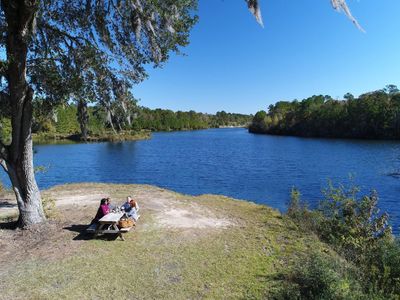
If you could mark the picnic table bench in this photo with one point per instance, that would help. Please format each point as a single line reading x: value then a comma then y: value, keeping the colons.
x: 109, y: 224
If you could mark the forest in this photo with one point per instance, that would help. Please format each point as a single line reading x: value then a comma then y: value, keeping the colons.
x: 69, y: 120
x: 373, y: 115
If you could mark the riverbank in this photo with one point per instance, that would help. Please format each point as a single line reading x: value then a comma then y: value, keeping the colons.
x: 183, y: 247
x: 44, y: 138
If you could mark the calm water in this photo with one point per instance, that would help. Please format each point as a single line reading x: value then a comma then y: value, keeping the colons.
x: 231, y: 162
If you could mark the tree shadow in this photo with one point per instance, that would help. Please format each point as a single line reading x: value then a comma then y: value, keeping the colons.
x: 83, y: 235
x: 7, y: 204
x: 8, y: 225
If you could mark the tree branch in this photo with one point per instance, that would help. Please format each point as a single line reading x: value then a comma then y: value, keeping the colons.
x: 77, y: 39
x: 3, y: 152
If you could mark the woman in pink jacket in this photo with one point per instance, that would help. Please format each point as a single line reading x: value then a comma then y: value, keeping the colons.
x: 102, y: 211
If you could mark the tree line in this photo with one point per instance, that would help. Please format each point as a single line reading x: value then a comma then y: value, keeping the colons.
x: 166, y: 120
x: 374, y: 115
x: 66, y: 120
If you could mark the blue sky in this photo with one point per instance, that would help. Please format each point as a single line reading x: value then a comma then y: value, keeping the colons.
x: 305, y: 48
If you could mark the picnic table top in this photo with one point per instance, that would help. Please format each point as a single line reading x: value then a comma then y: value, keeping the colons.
x: 111, y: 217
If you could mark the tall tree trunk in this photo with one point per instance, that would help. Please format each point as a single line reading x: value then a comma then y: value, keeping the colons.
x: 127, y: 113
x: 17, y: 158
x: 83, y: 118
x: 109, y: 118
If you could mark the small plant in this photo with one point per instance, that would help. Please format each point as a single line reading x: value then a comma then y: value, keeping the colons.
x: 294, y: 206
x: 298, y: 211
x: 49, y: 207
x: 41, y: 169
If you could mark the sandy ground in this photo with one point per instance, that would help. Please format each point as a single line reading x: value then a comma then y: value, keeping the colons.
x: 170, y: 211
x: 76, y: 206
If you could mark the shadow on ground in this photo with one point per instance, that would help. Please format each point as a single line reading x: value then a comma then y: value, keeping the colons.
x: 10, y: 225
x: 85, y: 236
x: 6, y: 204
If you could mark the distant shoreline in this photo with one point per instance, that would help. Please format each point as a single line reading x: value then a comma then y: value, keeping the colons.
x: 233, y: 126
x: 106, y: 137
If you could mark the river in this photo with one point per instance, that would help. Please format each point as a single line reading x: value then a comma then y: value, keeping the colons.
x: 231, y: 162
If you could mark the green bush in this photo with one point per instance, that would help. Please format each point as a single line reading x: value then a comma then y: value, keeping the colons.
x: 298, y: 211
x: 354, y: 227
x: 383, y: 271
x: 320, y: 277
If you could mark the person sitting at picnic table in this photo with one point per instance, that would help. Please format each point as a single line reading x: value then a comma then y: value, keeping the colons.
x: 131, y: 208
x: 110, y: 205
x: 102, y: 211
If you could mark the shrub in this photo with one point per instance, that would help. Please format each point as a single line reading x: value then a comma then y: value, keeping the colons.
x: 298, y: 211
x: 353, y: 225
x: 384, y: 269
x: 320, y: 277
x: 295, y: 209
x: 356, y: 229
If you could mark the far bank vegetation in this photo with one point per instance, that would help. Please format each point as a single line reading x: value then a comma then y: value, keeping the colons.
x: 120, y: 122
x: 373, y: 115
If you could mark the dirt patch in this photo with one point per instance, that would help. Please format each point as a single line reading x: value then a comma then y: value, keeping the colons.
x: 193, y: 218
x: 47, y: 241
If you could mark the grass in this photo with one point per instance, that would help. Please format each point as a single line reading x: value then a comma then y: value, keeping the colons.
x: 244, y: 261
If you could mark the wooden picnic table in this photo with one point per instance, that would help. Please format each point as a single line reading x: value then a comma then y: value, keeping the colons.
x: 109, y: 224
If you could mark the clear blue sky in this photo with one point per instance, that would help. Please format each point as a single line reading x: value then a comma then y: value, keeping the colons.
x: 306, y: 48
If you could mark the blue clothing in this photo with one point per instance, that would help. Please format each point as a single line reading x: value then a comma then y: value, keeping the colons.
x: 126, y: 206
x: 133, y: 214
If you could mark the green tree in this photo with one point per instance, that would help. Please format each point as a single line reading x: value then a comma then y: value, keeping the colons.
x: 65, y: 49
x: 372, y: 115
x: 348, y: 96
